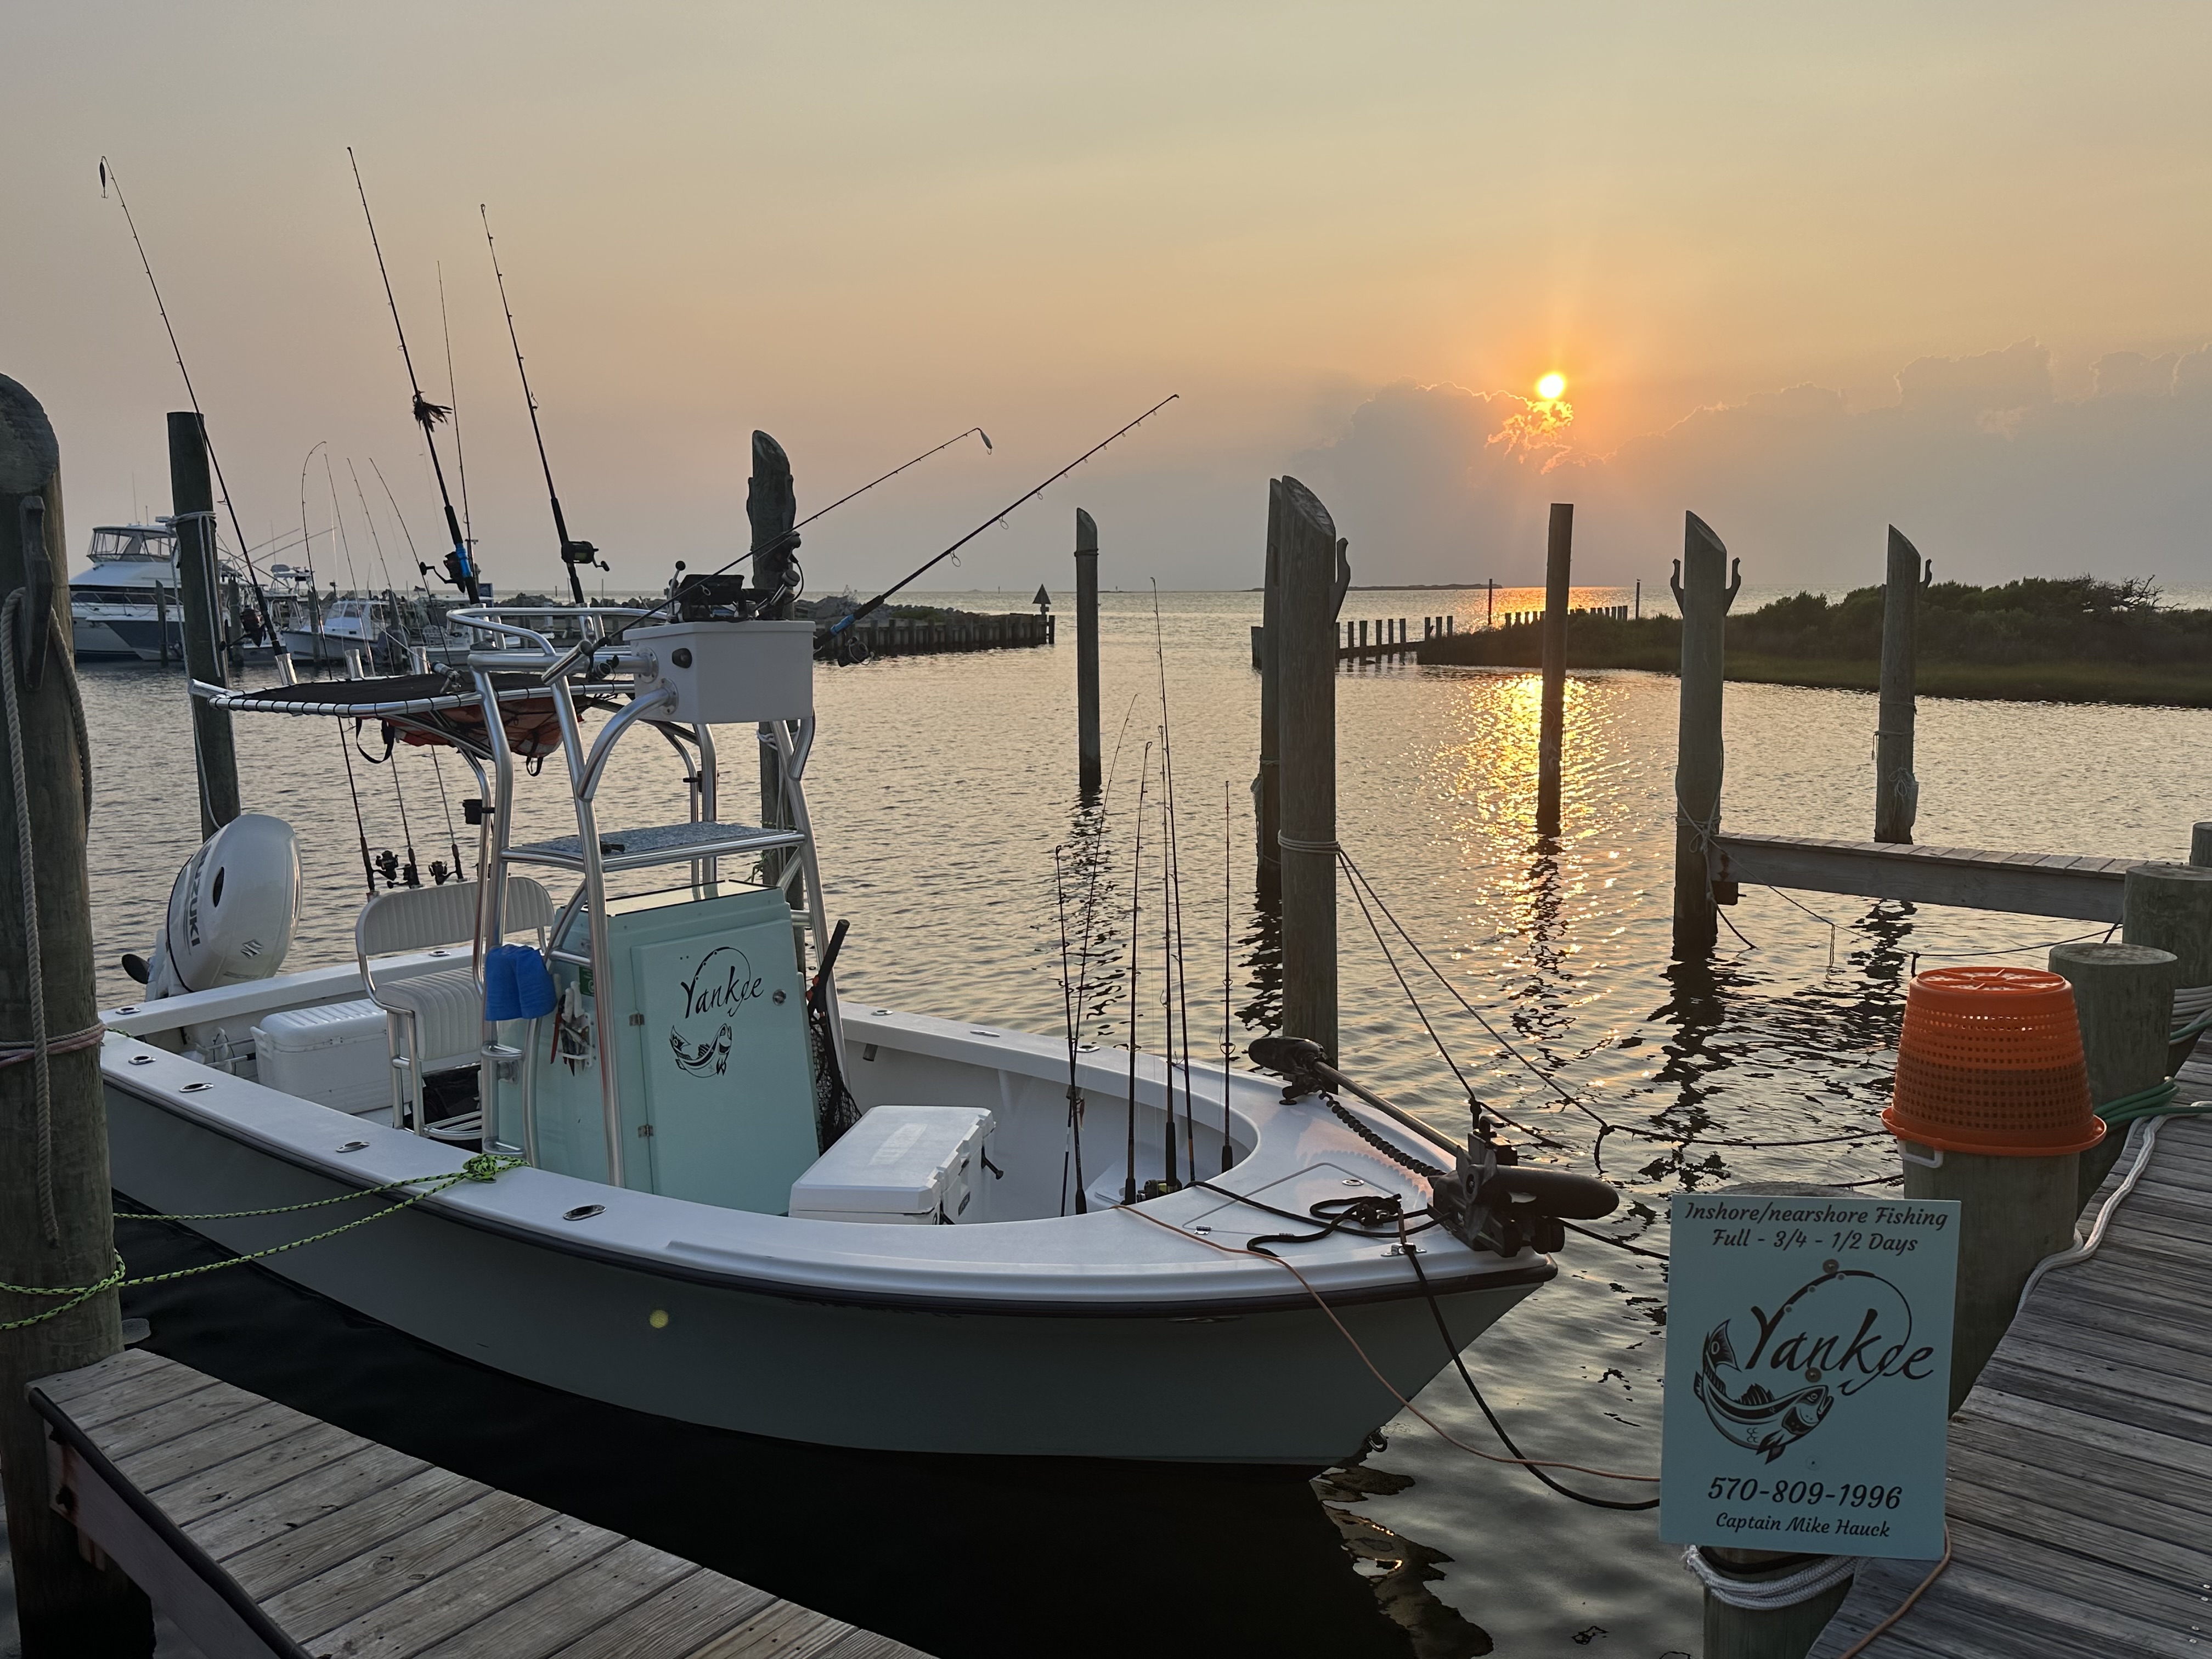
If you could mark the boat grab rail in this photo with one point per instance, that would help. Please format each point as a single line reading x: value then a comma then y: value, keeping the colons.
x: 587, y: 784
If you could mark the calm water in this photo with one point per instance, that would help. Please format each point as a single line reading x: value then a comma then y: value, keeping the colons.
x: 940, y: 787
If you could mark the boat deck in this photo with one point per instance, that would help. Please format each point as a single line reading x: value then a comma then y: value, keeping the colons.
x: 260, y: 1530
x: 2080, y: 1466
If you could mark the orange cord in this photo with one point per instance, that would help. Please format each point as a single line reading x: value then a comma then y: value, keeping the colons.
x: 1488, y: 1457
x: 1904, y: 1606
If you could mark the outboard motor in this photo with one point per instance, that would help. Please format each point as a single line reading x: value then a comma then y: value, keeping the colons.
x: 1487, y: 1199
x: 231, y: 912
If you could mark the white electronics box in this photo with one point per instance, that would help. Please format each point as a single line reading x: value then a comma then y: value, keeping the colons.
x: 726, y: 673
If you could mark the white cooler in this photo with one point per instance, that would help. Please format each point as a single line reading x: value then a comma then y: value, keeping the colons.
x: 336, y: 1055
x: 912, y: 1166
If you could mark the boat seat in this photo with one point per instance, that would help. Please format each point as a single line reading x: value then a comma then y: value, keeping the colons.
x: 448, y: 1012
x: 435, y: 1022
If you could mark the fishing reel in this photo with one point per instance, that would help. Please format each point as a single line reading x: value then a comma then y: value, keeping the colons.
x: 1487, y: 1199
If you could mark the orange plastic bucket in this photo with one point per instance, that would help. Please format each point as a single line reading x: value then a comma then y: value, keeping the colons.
x: 1990, y: 1062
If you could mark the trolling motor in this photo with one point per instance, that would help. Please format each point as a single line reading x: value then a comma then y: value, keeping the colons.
x: 1486, y: 1199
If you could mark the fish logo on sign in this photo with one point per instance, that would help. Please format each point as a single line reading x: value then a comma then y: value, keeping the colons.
x: 1831, y: 1340
x: 717, y: 991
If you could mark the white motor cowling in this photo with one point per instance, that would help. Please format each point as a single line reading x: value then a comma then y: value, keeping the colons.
x: 231, y: 912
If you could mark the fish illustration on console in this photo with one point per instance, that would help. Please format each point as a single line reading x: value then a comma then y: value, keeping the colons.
x: 1756, y: 1419
x: 708, y: 1058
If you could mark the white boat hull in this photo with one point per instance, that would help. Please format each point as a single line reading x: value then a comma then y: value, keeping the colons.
x: 1096, y: 1335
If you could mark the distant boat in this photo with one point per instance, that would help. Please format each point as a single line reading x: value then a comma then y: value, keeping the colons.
x: 116, y: 606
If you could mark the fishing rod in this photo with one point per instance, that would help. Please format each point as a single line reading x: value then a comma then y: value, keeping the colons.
x: 1228, y: 914
x: 261, y: 600
x: 846, y: 622
x: 315, y: 610
x: 460, y: 567
x: 453, y: 403
x: 572, y: 553
x: 1175, y: 903
x: 1136, y: 960
x: 989, y: 448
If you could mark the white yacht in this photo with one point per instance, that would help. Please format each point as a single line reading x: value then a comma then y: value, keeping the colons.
x: 125, y: 599
x: 711, y: 1189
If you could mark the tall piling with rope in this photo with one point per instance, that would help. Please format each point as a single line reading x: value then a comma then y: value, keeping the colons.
x: 1896, y: 790
x: 1302, y: 644
x: 1993, y: 1108
x: 1705, y: 586
x: 55, y: 1228
x: 2123, y: 1000
x: 1559, y: 592
x: 192, y: 493
x: 1090, y: 754
x: 1269, y: 805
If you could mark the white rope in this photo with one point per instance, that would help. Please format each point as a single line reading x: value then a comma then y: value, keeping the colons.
x: 2143, y: 1134
x: 1767, y: 1595
x: 1292, y: 844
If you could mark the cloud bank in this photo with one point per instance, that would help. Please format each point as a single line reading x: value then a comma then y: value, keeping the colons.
x: 1979, y: 460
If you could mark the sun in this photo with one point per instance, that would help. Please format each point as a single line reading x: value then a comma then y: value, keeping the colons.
x: 1551, y: 387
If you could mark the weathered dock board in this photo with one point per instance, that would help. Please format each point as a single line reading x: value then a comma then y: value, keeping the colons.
x: 2083, y: 888
x: 2081, y: 1470
x: 267, y: 1534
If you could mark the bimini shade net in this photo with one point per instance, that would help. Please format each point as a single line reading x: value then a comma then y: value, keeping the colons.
x: 1989, y: 1061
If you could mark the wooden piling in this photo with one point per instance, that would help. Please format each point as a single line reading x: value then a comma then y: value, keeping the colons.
x: 2168, y: 907
x: 1705, y: 586
x: 161, y: 621
x: 1896, y: 790
x: 771, y: 514
x: 1559, y: 557
x: 1307, y: 666
x: 66, y: 1608
x: 2123, y: 998
x: 1090, y: 763
x: 2200, y: 843
x: 192, y: 494
x: 1269, y: 787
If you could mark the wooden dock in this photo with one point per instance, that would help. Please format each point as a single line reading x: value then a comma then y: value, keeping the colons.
x: 2080, y: 1466
x: 262, y: 1532
x: 2079, y: 887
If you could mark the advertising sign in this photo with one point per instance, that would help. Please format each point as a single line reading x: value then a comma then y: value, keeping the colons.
x: 1808, y: 1372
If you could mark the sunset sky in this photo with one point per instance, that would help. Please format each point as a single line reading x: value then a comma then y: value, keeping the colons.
x: 1806, y: 271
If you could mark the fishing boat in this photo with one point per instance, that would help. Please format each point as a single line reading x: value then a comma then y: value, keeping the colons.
x: 690, y: 1180
x: 125, y: 599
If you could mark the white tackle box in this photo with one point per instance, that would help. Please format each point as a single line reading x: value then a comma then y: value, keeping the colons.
x: 908, y: 1165
x: 336, y: 1055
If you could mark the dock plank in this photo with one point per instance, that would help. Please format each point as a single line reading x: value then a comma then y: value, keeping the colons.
x: 365, y: 1583
x: 480, y: 1584
x: 552, y: 1618
x: 2081, y: 1481
x: 352, y: 1531
x: 265, y: 1533
x: 283, y: 1510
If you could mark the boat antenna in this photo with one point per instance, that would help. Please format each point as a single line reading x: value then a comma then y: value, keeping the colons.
x: 338, y: 522
x: 572, y: 553
x: 460, y: 565
x: 1099, y: 817
x: 846, y: 622
x: 1168, y: 1181
x: 1136, y: 957
x: 253, y: 574
x: 453, y: 403
x: 1228, y: 911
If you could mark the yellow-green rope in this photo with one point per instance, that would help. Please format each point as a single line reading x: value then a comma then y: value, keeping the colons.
x: 481, y: 1166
